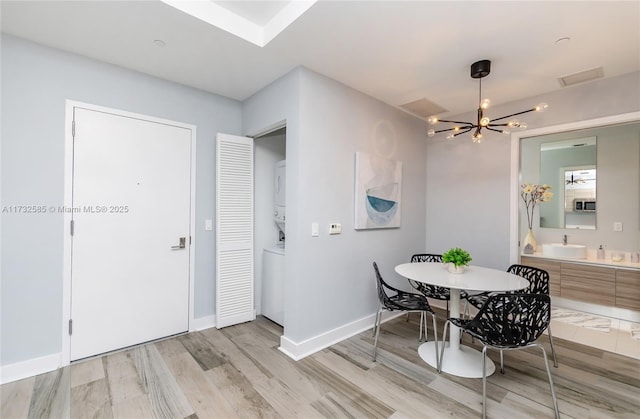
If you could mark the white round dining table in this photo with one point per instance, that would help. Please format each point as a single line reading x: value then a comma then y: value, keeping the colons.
x: 460, y: 360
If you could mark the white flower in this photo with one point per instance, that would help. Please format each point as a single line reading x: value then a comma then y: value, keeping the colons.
x: 532, y: 194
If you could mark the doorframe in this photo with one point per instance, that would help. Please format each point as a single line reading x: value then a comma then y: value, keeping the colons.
x: 65, y: 355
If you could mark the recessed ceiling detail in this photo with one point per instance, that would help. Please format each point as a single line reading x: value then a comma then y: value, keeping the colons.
x: 241, y: 22
x: 581, y: 77
x: 423, y: 108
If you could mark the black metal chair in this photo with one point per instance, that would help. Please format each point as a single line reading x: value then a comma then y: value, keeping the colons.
x: 508, y: 321
x: 538, y: 284
x: 400, y: 301
x: 430, y: 291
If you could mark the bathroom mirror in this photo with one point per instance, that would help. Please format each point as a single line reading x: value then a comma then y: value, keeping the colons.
x: 596, y: 167
x: 569, y: 166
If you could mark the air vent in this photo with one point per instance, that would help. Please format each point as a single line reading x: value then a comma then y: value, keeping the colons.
x: 581, y: 77
x: 423, y: 108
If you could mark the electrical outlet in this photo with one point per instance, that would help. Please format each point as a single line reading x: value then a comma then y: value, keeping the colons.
x: 617, y: 226
x: 335, y: 228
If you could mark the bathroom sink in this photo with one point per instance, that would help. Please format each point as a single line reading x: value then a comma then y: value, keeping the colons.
x: 559, y: 250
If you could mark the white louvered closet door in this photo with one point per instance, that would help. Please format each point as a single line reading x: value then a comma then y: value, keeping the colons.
x: 234, y: 228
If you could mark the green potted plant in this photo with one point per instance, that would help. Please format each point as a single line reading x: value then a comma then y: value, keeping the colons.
x: 457, y: 259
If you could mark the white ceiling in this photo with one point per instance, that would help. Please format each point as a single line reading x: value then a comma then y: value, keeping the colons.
x: 396, y: 51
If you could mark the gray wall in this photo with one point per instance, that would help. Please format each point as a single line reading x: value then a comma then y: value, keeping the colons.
x: 468, y: 185
x: 36, y: 81
x: 330, y: 279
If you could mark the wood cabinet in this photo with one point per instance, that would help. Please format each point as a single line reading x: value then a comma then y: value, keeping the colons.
x: 551, y: 266
x: 591, y: 284
x: 628, y: 289
x: 607, y: 286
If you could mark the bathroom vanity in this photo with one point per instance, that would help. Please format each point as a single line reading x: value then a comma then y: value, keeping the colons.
x: 594, y: 281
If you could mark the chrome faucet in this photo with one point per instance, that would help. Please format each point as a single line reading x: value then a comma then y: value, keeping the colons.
x: 564, y: 239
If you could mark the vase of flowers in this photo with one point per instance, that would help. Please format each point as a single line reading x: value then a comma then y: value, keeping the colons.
x: 457, y: 259
x: 532, y: 195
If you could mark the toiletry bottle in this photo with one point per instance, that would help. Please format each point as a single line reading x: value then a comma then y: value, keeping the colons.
x: 635, y: 257
x: 600, y: 252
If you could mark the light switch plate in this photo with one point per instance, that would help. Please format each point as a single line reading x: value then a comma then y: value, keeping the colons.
x: 315, y: 229
x: 617, y: 226
x: 208, y: 225
x: 335, y: 228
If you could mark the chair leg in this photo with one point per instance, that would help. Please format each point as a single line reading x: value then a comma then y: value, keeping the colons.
x: 377, y: 327
x: 553, y: 349
x: 501, y: 362
x: 444, y: 339
x: 407, y: 319
x: 553, y: 393
x: 375, y: 323
x: 484, y: 382
x: 435, y: 338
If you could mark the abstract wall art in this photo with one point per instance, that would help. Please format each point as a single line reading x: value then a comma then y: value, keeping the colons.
x: 378, y: 187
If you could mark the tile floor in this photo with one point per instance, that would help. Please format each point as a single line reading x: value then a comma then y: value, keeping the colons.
x: 613, y: 335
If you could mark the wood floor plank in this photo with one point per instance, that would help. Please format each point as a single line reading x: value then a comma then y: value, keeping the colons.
x: 205, y: 398
x: 240, y: 393
x: 285, y: 401
x: 201, y: 351
x: 278, y: 364
x: 167, y: 399
x: 86, y: 371
x: 16, y: 398
x: 51, y: 393
x: 91, y: 400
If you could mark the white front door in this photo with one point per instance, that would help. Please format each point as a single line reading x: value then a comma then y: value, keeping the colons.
x: 131, y: 226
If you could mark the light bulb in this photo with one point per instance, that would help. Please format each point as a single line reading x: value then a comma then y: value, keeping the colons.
x: 477, y: 139
x: 514, y: 123
x: 506, y: 132
x: 485, y: 121
x: 541, y: 107
x: 485, y: 103
x: 432, y: 120
x: 431, y: 132
x: 522, y: 125
x: 450, y: 136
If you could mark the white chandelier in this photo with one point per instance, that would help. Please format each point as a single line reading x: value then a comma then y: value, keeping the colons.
x: 479, y: 70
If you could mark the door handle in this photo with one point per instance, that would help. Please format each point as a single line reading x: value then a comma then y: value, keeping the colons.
x: 182, y: 245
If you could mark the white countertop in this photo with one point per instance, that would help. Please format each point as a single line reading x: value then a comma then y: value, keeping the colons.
x: 589, y: 260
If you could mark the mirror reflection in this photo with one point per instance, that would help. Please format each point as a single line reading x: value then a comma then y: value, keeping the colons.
x: 569, y: 166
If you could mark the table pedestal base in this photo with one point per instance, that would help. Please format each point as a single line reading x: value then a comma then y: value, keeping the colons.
x: 462, y: 361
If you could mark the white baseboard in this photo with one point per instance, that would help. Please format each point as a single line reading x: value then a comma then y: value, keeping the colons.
x: 203, y: 323
x: 29, y: 368
x: 299, y: 350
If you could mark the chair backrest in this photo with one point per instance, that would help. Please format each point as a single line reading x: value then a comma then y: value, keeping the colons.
x: 426, y: 257
x: 513, y: 320
x: 538, y: 278
x: 380, y: 286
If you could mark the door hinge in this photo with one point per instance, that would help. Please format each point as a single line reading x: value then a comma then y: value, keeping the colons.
x: 189, y: 239
x: 72, y: 224
x: 70, y: 326
x: 73, y: 128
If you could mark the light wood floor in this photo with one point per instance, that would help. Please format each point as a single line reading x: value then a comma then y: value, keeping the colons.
x: 238, y: 372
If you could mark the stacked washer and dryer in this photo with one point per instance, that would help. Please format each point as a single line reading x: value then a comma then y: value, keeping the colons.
x: 273, y: 257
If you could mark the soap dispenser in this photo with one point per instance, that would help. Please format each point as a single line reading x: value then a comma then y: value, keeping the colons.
x: 600, y: 252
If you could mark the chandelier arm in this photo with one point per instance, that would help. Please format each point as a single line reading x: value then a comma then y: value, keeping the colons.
x: 467, y: 128
x: 493, y: 129
x: 498, y: 125
x: 455, y: 122
x: 514, y: 114
x: 463, y: 132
